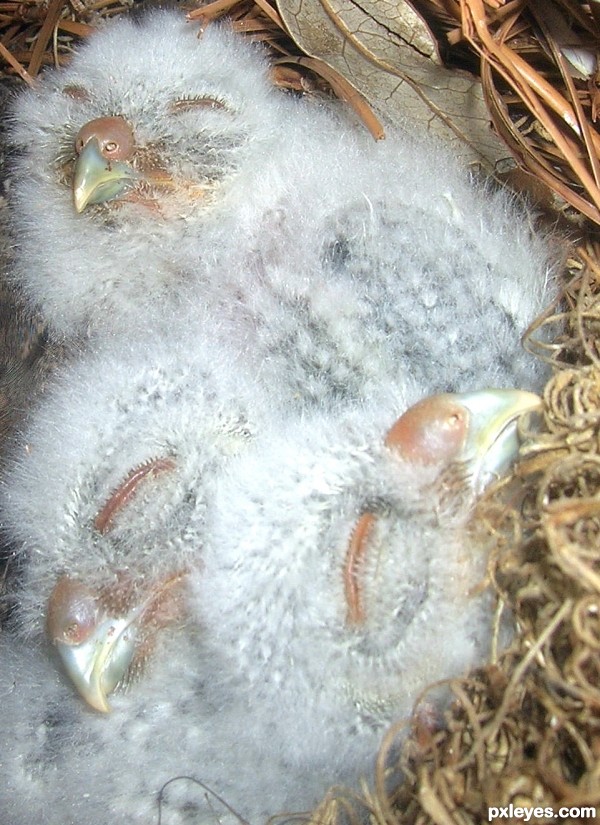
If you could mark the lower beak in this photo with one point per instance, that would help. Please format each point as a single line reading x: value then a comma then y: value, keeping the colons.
x: 96, y: 179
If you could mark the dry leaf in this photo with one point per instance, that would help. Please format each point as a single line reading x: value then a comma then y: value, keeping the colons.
x: 389, y: 55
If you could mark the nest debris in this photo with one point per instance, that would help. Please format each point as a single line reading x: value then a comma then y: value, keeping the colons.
x: 525, y: 729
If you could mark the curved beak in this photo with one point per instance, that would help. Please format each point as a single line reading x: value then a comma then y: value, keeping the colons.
x: 101, y: 644
x: 475, y: 430
x: 98, y: 664
x: 96, y: 179
x: 492, y: 441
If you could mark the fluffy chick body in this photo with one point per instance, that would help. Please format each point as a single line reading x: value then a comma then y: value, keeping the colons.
x: 303, y: 285
x: 329, y: 259
x: 261, y: 689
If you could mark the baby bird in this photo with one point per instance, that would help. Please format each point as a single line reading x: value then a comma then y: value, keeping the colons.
x: 241, y: 594
x: 234, y: 533
x: 114, y: 425
x: 149, y: 190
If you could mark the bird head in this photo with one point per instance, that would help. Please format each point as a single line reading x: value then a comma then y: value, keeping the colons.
x: 134, y: 165
x: 353, y: 579
x: 147, y: 115
x: 344, y: 549
x: 108, y: 497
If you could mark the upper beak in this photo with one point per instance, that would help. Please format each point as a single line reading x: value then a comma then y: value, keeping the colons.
x: 100, y: 643
x: 98, y: 664
x: 103, y: 170
x: 98, y: 179
x: 492, y: 441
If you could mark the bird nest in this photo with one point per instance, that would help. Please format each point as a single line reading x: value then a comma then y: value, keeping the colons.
x: 525, y: 729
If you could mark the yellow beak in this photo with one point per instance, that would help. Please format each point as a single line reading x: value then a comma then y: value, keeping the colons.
x: 98, y: 664
x: 96, y: 179
x: 492, y: 442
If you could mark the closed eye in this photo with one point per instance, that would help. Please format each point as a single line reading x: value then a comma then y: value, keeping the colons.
x: 186, y: 104
x: 77, y: 93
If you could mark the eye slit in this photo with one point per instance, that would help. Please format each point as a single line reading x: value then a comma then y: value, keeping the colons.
x: 77, y: 93
x: 186, y: 104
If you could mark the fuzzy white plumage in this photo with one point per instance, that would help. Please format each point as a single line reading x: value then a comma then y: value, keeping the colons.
x: 195, y: 491
x: 325, y: 255
x: 261, y: 672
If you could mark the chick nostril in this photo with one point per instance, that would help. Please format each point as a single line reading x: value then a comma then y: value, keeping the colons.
x: 113, y: 135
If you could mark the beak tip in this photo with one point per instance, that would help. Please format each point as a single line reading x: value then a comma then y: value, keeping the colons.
x: 98, y: 703
x: 79, y: 203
